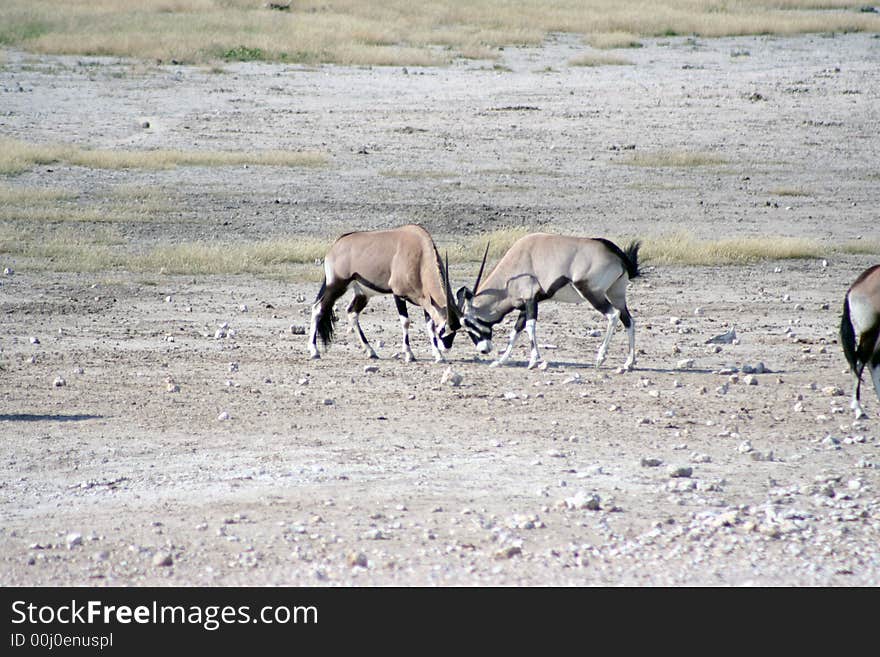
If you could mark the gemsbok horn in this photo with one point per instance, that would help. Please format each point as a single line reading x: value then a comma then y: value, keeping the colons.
x: 539, y: 267
x: 403, y: 262
x: 860, y: 332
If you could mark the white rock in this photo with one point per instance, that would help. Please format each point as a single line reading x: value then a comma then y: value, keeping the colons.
x: 582, y: 500
x: 451, y: 378
x: 223, y: 416
x: 684, y: 364
x: 73, y: 539
x: 35, y: 340
x: 371, y: 369
x: 750, y: 380
x: 163, y: 559
x: 744, y: 447
x: 59, y: 382
x: 8, y: 271
x: 358, y: 559
x: 723, y: 338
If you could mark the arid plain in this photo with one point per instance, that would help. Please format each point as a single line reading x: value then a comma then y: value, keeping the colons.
x: 161, y: 428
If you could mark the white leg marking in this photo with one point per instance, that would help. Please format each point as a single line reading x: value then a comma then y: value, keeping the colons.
x: 530, y: 329
x: 432, y: 336
x: 407, y: 352
x: 313, y: 332
x: 355, y: 321
x: 603, y: 350
x: 631, y: 359
x: 514, y: 334
x: 854, y: 404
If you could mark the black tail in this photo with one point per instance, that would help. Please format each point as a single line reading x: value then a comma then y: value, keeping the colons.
x: 848, y: 339
x: 629, y: 258
x: 632, y: 259
x: 327, y: 318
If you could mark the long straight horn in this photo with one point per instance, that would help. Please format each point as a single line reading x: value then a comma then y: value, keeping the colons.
x: 452, y: 316
x: 482, y: 266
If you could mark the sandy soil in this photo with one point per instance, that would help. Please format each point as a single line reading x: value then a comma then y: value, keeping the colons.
x: 180, y: 452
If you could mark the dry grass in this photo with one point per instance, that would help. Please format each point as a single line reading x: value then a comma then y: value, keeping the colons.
x: 788, y: 191
x: 684, y: 250
x: 30, y: 205
x: 394, y: 32
x: 598, y: 59
x: 17, y: 156
x: 671, y: 158
x: 73, y: 249
x: 608, y: 40
x: 68, y: 248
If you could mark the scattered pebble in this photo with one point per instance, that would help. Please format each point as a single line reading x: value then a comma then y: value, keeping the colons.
x: 358, y: 559
x: 163, y: 559
x: 451, y: 378
x: 677, y: 472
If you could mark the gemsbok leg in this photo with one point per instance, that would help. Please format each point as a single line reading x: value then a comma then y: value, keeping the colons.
x: 358, y: 303
x: 860, y: 333
x: 617, y: 296
x: 404, y: 324
x: 323, y: 316
x: 431, y: 330
x: 528, y: 320
x: 514, y: 334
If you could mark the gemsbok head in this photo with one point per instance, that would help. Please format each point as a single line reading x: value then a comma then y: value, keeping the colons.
x: 403, y: 262
x: 539, y: 267
x: 860, y: 332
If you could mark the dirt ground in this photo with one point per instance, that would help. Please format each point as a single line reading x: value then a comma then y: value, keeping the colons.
x: 171, y: 430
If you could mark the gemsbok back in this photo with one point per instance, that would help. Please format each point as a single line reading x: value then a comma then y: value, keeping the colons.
x: 403, y: 262
x: 539, y: 267
x: 860, y: 332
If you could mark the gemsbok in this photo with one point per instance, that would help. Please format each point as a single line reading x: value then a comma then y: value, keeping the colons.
x: 860, y: 332
x: 539, y: 267
x: 403, y: 262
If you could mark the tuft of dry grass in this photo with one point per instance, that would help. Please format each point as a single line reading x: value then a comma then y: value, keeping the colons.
x: 682, y: 249
x: 609, y: 40
x: 598, y: 59
x: 788, y: 191
x: 394, y: 32
x: 17, y: 156
x: 672, y: 158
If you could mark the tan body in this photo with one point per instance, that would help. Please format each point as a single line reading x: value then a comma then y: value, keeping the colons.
x: 540, y: 267
x: 860, y: 332
x: 402, y: 262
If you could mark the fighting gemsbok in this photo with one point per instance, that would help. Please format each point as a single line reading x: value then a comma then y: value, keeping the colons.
x: 860, y: 332
x: 540, y: 267
x: 403, y: 262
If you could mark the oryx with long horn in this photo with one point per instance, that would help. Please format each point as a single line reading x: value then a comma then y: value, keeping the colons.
x: 539, y: 267
x: 860, y: 332
x: 403, y: 262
